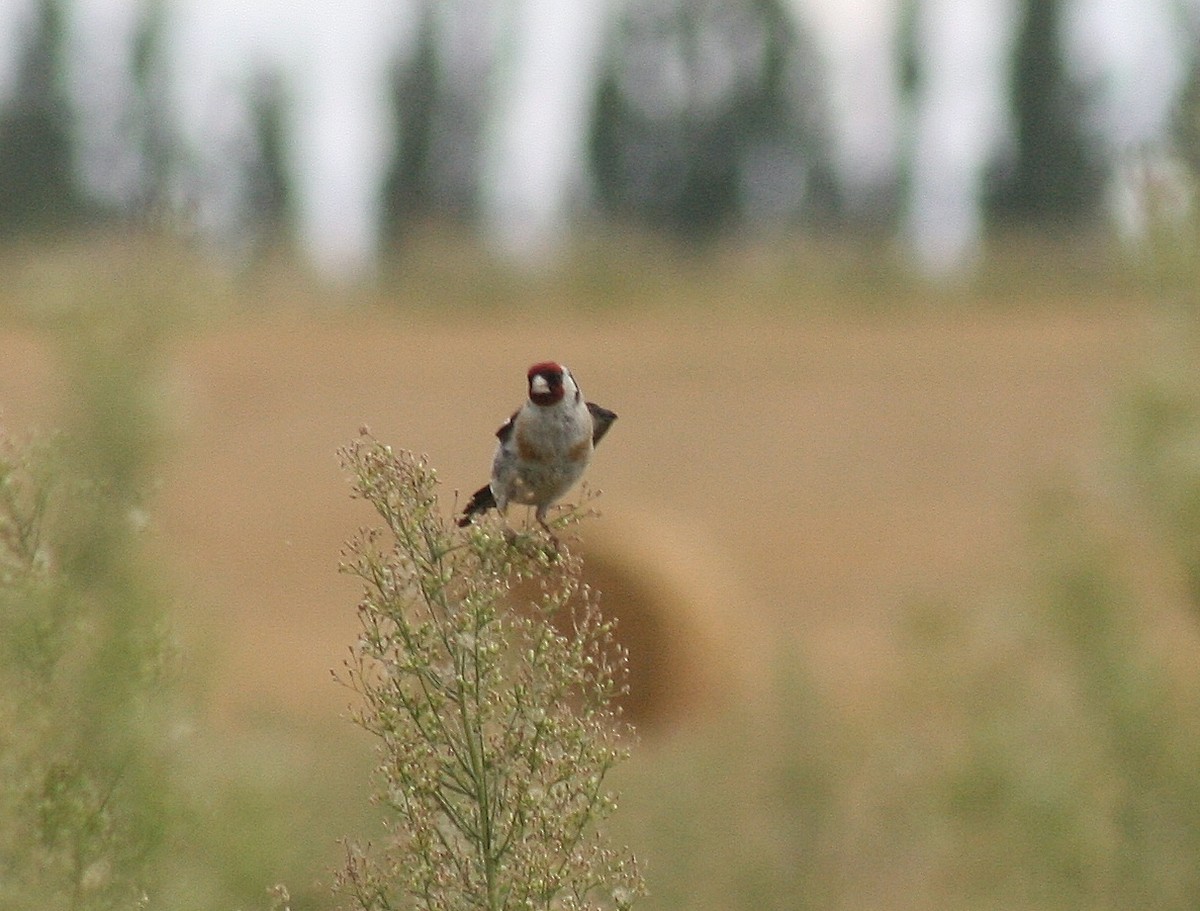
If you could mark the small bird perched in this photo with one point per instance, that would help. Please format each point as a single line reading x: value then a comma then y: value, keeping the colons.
x: 544, y: 447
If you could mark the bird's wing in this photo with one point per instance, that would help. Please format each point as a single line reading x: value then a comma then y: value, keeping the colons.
x: 506, y: 428
x: 602, y: 419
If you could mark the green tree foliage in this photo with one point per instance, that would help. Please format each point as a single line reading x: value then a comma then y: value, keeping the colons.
x: 1054, y: 178
x: 408, y: 191
x: 676, y: 158
x: 271, y: 197
x: 37, y: 184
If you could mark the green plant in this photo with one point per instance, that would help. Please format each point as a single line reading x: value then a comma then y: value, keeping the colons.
x: 496, y: 720
x: 80, y: 809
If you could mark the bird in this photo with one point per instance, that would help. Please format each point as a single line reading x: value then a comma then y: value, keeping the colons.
x: 544, y: 448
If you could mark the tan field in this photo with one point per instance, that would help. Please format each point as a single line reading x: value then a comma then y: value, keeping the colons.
x: 772, y: 478
x: 768, y: 478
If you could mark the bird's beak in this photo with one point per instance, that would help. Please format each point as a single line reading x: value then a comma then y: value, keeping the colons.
x: 538, y: 385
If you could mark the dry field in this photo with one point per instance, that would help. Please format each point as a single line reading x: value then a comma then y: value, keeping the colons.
x: 769, y: 479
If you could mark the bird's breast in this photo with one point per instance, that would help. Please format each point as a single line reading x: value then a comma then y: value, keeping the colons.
x: 550, y: 440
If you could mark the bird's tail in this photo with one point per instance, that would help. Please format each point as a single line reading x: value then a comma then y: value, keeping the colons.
x: 481, y: 501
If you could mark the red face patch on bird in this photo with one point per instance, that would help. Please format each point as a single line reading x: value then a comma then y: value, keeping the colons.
x: 546, y: 383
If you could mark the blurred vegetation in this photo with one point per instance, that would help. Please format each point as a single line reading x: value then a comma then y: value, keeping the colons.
x: 116, y: 794
x: 1159, y: 416
x: 90, y: 712
x: 689, y: 162
x: 681, y: 166
x: 38, y: 186
x: 1056, y: 174
x: 82, y: 816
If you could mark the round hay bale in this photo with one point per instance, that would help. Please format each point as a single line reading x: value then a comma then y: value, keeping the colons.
x: 674, y: 603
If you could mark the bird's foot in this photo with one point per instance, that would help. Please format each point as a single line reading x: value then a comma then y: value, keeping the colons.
x: 530, y: 545
x: 554, y: 549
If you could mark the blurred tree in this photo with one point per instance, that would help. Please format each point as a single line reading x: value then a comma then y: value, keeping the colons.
x: 407, y: 190
x: 908, y: 55
x: 37, y: 184
x: 151, y: 103
x: 442, y: 88
x: 692, y: 92
x: 1186, y: 127
x: 270, y: 193
x: 1055, y: 176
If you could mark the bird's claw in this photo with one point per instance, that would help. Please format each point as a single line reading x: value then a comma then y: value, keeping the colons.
x: 527, y: 544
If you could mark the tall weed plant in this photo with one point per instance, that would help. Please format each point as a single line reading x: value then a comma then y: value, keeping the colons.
x: 85, y: 660
x: 91, y: 716
x: 82, y: 815
x: 1159, y: 416
x: 496, y: 719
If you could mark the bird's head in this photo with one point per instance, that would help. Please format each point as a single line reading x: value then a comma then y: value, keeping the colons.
x: 549, y: 383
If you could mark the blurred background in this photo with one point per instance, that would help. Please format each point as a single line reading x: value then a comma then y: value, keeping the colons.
x: 897, y: 301
x: 337, y: 128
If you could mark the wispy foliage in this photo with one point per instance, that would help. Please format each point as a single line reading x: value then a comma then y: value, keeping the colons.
x: 79, y: 817
x: 496, y: 718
